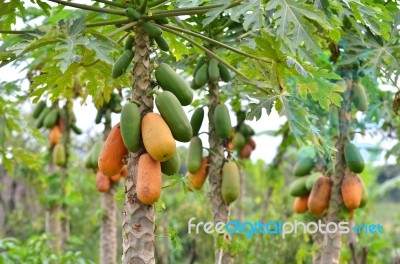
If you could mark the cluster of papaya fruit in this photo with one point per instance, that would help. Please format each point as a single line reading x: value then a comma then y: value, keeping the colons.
x: 241, y: 141
x: 53, y: 118
x: 209, y: 70
x: 105, y: 111
x: 154, y: 32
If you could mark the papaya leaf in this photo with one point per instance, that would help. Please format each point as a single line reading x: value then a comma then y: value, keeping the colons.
x: 252, y: 14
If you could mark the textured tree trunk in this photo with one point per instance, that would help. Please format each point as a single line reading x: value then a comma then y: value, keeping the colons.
x: 333, y: 242
x: 108, y: 228
x: 220, y: 209
x: 318, y: 239
x: 138, y: 224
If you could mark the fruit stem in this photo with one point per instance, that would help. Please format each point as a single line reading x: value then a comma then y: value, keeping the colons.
x: 157, y: 3
x: 15, y: 31
x: 115, y: 32
x: 196, y: 10
x: 143, y: 6
x: 109, y: 22
x: 90, y: 8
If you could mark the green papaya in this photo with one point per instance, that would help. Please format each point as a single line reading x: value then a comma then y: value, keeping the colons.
x: 298, y: 187
x: 132, y: 14
x: 197, y: 120
x: 239, y: 141
x: 128, y: 43
x: 171, y: 166
x: 246, y: 130
x: 194, y: 155
x: 152, y: 30
x: 360, y: 97
x: 94, y: 156
x: 122, y: 63
x: 222, y: 121
x: 169, y: 80
x: 364, y: 196
x: 76, y: 129
x: 99, y: 116
x: 200, y: 63
x: 162, y: 43
x: 201, y: 77
x: 353, y: 157
x: 230, y: 182
x: 224, y: 73
x: 39, y: 121
x: 303, y: 166
x: 312, y: 179
x: 163, y: 20
x: 51, y: 118
x: 88, y: 160
x: 38, y: 109
x: 174, y: 115
x: 59, y: 157
x: 194, y: 86
x: 213, y: 70
x: 334, y: 116
x: 130, y: 126
x: 107, y: 115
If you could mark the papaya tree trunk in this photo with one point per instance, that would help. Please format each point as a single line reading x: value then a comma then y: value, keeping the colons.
x: 220, y: 209
x: 333, y: 241
x: 138, y: 224
x: 108, y: 228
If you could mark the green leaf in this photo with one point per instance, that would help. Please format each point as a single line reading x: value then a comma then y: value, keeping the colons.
x: 252, y: 13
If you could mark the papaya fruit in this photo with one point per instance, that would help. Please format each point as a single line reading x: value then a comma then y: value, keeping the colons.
x: 298, y: 187
x: 132, y: 14
x: 174, y: 115
x: 157, y: 137
x: 129, y: 43
x: 162, y: 43
x: 230, y: 185
x: 99, y: 116
x: 111, y: 158
x: 152, y: 30
x: 238, y: 141
x: 51, y: 118
x: 122, y: 63
x: 76, y: 129
x: 351, y: 191
x: 245, y: 152
x: 55, y: 135
x: 224, y: 73
x: 312, y: 179
x: 38, y: 109
x: 171, y: 166
x: 124, y: 171
x: 59, y: 157
x: 200, y: 63
x: 303, y: 166
x: 360, y: 97
x: 201, y: 77
x: 353, y: 157
x: 102, y: 182
x: 163, y: 20
x: 194, y: 155
x: 88, y: 160
x: 222, y: 121
x: 169, y: 80
x: 116, y: 177
x: 196, y: 180
x: 107, y: 116
x: 300, y: 204
x: 213, y: 70
x: 334, y: 116
x: 130, y: 126
x: 149, y: 180
x: 197, y: 120
x: 364, y: 196
x: 94, y: 156
x: 246, y: 130
x: 42, y: 116
x: 252, y: 143
x: 318, y: 202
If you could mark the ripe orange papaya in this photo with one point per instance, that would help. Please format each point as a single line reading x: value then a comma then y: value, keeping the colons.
x: 149, y: 179
x: 197, y: 179
x: 245, y: 152
x: 55, y: 135
x: 252, y: 143
x: 300, y: 204
x: 112, y: 154
x: 102, y: 182
x: 318, y: 201
x: 157, y: 137
x: 351, y: 191
x: 116, y: 177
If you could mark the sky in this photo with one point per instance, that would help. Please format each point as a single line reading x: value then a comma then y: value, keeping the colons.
x: 266, y: 145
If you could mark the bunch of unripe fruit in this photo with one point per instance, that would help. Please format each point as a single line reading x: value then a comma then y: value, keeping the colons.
x: 53, y: 118
x: 241, y: 141
x: 312, y: 190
